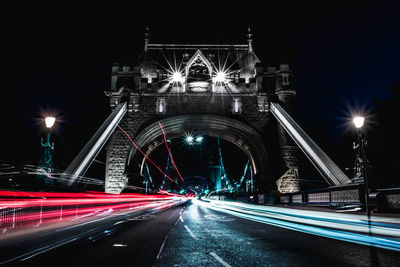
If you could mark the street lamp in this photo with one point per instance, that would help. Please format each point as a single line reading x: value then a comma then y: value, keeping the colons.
x: 361, y: 158
x: 49, y: 121
x: 46, y: 161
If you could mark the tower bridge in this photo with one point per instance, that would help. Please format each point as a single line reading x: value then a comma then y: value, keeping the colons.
x: 219, y: 93
x: 217, y: 90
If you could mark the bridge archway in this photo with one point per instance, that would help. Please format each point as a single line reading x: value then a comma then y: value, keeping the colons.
x: 231, y: 130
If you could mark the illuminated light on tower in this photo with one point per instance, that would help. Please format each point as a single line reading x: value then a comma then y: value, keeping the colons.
x: 220, y: 77
x: 358, y: 121
x: 176, y: 77
x: 189, y: 139
x: 49, y: 121
x: 199, y: 139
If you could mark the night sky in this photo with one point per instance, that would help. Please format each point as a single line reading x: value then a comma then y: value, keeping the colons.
x: 57, y: 59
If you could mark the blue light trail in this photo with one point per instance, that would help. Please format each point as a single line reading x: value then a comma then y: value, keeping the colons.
x: 345, y: 227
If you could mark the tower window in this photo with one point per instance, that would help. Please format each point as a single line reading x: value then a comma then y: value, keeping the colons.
x: 237, y: 105
x: 285, y: 79
x: 161, y: 106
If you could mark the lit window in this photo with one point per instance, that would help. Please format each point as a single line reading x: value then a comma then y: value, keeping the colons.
x: 161, y: 105
x: 236, y: 105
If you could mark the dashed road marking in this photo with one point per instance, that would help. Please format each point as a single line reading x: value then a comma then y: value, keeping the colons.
x: 221, y: 218
x: 162, y: 246
x: 50, y: 248
x: 219, y: 259
x: 119, y: 245
x: 180, y: 218
x: 191, y: 233
x: 142, y: 217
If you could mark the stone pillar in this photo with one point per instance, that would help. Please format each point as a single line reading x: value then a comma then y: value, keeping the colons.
x: 116, y: 156
x: 288, y: 182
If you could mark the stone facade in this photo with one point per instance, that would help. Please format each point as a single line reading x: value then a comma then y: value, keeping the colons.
x: 158, y: 90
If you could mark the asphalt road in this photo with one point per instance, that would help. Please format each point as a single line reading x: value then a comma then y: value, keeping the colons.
x: 192, y: 235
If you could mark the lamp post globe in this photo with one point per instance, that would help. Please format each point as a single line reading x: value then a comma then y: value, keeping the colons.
x: 49, y: 121
x: 358, y: 121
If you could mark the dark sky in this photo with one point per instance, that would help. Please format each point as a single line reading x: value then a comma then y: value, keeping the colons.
x: 58, y: 59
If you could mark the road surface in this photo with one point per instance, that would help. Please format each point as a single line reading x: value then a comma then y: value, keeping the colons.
x: 192, y: 235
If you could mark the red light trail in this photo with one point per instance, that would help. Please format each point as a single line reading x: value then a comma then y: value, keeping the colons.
x: 169, y: 151
x: 25, y: 209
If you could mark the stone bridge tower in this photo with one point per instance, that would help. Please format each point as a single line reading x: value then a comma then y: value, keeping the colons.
x: 216, y: 90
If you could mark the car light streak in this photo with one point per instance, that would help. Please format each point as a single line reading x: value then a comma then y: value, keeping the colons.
x: 345, y: 227
x: 26, y: 209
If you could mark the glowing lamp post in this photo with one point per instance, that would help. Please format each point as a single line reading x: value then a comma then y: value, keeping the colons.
x: 49, y: 121
x: 358, y: 121
x: 46, y: 161
x: 362, y: 159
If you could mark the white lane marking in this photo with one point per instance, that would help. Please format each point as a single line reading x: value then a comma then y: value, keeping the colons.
x: 180, y: 218
x: 142, y: 217
x: 355, y: 209
x: 191, y: 233
x: 221, y: 218
x: 219, y: 259
x: 162, y: 246
x: 77, y: 225
x: 48, y: 249
x: 119, y: 245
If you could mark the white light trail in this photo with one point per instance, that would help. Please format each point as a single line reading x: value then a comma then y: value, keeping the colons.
x: 345, y: 227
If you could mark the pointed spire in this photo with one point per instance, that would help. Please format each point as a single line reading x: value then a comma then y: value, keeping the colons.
x: 146, y: 38
x: 249, y: 39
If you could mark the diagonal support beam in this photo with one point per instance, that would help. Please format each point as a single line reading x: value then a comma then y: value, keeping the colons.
x: 326, y: 167
x: 84, y: 159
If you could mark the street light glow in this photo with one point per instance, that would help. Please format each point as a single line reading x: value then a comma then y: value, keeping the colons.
x: 199, y: 139
x: 358, y: 121
x: 49, y: 121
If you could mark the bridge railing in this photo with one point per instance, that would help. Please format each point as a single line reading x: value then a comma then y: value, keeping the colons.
x: 330, y: 196
x: 388, y: 199
x: 338, y: 196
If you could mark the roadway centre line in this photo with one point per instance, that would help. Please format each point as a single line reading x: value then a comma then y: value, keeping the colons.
x: 180, y: 217
x: 219, y: 259
x: 162, y: 246
x: 50, y: 248
x: 191, y: 233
